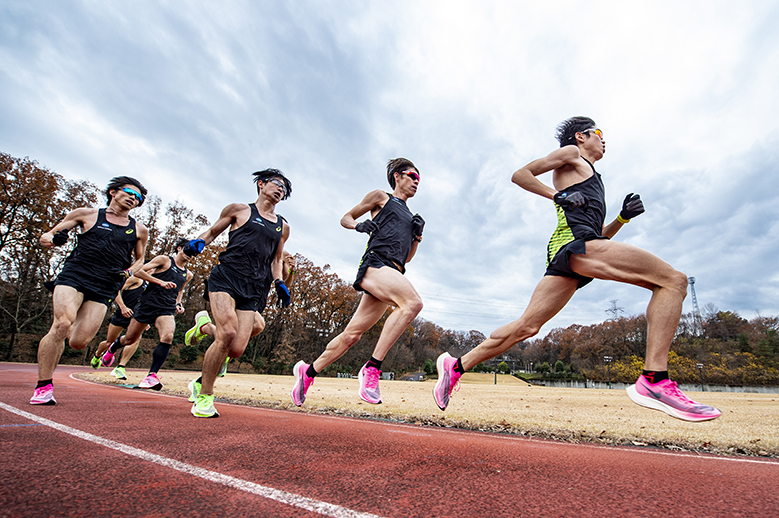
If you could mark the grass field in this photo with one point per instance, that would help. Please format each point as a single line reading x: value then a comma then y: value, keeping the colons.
x: 748, y: 425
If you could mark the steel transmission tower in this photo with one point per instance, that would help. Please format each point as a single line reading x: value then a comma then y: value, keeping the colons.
x: 696, y: 312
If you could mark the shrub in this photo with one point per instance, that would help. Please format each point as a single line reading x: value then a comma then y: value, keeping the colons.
x: 188, y: 354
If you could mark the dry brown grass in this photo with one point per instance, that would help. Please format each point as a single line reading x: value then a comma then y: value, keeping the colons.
x: 748, y: 425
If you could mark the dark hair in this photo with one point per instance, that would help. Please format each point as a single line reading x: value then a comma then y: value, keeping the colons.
x: 265, y: 175
x: 397, y: 165
x: 118, y: 181
x: 180, y: 243
x: 567, y: 130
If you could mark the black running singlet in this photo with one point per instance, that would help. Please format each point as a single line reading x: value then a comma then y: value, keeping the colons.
x: 252, y: 247
x: 155, y: 297
x: 133, y: 295
x: 103, y: 251
x: 393, y: 240
x: 584, y: 223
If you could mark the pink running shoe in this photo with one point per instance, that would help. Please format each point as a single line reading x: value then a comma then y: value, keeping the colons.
x: 369, y: 384
x: 666, y: 397
x: 150, y: 382
x: 302, y: 382
x: 107, y: 359
x: 43, y: 396
x: 448, y: 380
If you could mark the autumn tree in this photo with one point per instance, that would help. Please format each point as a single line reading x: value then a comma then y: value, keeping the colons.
x: 32, y: 200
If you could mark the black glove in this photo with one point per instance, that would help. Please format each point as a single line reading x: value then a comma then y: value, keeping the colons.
x: 194, y: 247
x: 282, y: 292
x: 572, y: 200
x: 60, y: 237
x: 631, y: 207
x: 417, y: 225
x: 368, y: 227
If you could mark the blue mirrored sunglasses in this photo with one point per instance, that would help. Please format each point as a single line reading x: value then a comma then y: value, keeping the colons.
x: 135, y: 193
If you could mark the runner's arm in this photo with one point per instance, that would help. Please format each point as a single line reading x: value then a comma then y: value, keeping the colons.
x: 525, y: 177
x: 226, y: 218
x: 277, y: 266
x: 612, y: 228
x: 413, y: 250
x: 140, y: 247
x: 371, y: 201
x: 179, y: 306
x: 120, y: 303
x: 161, y: 262
x: 72, y: 220
x: 288, y: 267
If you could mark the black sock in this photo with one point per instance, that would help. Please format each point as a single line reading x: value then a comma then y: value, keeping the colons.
x: 458, y: 366
x: 43, y: 383
x: 311, y: 372
x: 373, y: 362
x: 159, y: 356
x: 199, y: 379
x: 115, y: 346
x: 655, y: 376
x: 120, y: 366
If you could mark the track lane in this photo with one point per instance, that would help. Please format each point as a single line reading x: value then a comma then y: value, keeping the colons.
x: 367, y: 466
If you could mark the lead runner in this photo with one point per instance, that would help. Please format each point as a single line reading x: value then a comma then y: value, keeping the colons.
x: 580, y: 249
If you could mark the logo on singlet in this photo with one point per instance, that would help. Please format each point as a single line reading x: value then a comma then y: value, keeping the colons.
x: 106, y: 226
x: 130, y: 231
x: 278, y: 229
x: 258, y: 220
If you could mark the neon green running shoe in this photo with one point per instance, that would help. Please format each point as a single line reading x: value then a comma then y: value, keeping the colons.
x: 194, y: 389
x: 204, y: 406
x: 95, y: 362
x: 193, y: 335
x: 119, y: 373
x: 223, y: 370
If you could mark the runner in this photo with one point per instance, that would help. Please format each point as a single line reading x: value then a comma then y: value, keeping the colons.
x: 125, y: 301
x: 204, y: 326
x: 395, y: 235
x: 161, y: 301
x: 92, y: 275
x: 238, y: 286
x: 579, y: 250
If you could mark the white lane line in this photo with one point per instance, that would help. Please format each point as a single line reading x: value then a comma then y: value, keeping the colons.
x: 284, y: 497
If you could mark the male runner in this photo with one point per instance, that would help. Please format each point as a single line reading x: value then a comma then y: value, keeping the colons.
x: 395, y: 235
x: 126, y: 300
x: 160, y: 302
x: 204, y: 326
x: 92, y: 275
x: 238, y: 286
x: 580, y: 249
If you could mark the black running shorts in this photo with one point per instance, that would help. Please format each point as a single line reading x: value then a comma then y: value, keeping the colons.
x: 372, y: 260
x: 120, y: 320
x: 248, y: 294
x: 83, y: 285
x: 146, y: 314
x: 560, y: 263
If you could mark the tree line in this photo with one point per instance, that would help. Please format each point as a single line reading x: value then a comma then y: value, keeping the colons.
x: 721, y: 346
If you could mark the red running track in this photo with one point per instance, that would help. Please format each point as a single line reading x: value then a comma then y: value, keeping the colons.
x: 105, y: 450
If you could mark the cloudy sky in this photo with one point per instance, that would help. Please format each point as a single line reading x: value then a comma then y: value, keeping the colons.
x: 192, y: 97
